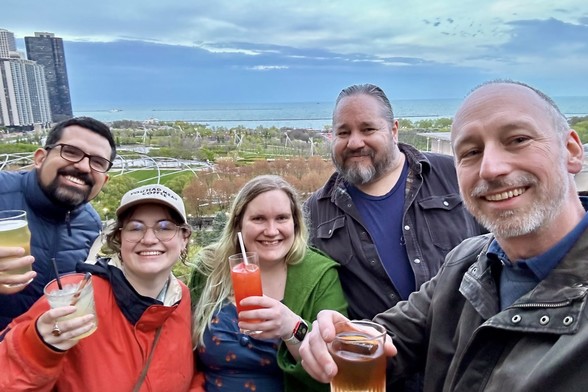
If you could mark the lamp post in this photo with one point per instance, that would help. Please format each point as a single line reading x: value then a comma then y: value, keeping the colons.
x: 105, y: 213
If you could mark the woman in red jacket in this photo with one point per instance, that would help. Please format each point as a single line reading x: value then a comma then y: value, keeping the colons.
x: 143, y: 336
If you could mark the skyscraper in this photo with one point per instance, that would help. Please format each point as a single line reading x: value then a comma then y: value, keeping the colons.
x: 23, y: 93
x: 24, y: 100
x: 7, y: 43
x: 47, y: 50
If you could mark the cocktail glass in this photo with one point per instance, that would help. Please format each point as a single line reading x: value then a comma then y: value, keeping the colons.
x: 358, y: 351
x: 67, y: 295
x: 246, y: 277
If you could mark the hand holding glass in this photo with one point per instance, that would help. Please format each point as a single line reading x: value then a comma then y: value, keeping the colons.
x: 246, y: 277
x: 358, y: 351
x: 69, y: 295
x: 14, y: 232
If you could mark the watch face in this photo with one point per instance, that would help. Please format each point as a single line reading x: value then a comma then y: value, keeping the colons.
x: 301, y: 331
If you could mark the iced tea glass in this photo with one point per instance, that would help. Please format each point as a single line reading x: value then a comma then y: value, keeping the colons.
x: 358, y: 351
x: 246, y: 277
x: 14, y: 232
x: 84, y: 303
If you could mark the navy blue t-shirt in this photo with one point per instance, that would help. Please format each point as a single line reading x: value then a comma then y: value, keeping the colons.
x: 382, y: 216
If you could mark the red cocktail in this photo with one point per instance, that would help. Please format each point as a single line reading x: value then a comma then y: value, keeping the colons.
x: 246, y: 277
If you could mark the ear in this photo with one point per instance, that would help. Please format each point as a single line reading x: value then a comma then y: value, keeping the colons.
x: 185, y: 242
x: 39, y: 157
x: 395, y: 131
x: 575, y: 151
x: 106, y: 178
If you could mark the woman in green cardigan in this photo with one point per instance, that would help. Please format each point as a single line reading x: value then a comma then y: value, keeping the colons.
x: 297, y: 283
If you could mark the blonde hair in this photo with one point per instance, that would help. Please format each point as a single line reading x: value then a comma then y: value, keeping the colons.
x: 212, y: 261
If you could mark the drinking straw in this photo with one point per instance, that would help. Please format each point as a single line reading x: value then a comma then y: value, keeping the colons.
x: 242, y: 248
x: 76, y: 297
x: 56, y: 274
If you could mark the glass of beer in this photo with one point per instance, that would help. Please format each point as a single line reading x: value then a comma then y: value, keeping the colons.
x: 246, y: 277
x: 69, y: 294
x: 14, y: 232
x: 358, y: 351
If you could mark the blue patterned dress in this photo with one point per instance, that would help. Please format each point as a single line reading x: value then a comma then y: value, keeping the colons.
x: 233, y: 361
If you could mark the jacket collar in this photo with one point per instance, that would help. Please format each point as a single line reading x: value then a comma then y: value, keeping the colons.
x: 131, y: 303
x: 564, y: 291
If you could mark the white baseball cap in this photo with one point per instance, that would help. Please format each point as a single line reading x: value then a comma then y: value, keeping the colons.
x: 154, y: 193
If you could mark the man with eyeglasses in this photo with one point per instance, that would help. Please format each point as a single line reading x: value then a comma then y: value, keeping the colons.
x: 69, y: 171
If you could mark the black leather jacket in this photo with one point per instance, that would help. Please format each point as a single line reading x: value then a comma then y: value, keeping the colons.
x: 453, y: 327
x: 435, y: 221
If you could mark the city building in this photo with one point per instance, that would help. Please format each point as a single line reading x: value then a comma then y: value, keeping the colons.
x: 7, y: 43
x: 24, y: 100
x: 47, y: 50
x: 439, y: 142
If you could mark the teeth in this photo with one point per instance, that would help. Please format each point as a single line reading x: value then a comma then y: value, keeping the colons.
x: 506, y: 195
x: 75, y: 180
x: 151, y: 253
x: 270, y: 242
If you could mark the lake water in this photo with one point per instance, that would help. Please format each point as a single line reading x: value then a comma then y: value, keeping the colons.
x: 314, y: 115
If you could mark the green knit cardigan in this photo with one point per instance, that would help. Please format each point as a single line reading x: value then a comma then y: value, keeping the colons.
x: 311, y: 286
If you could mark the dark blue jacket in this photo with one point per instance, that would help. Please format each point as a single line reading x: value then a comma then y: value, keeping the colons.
x: 55, y: 232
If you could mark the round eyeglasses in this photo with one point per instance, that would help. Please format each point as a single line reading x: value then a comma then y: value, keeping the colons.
x: 73, y: 154
x: 164, y: 231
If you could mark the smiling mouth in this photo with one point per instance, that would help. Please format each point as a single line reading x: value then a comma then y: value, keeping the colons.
x: 505, y: 195
x: 360, y: 155
x: 75, y: 180
x: 150, y: 253
x: 268, y: 243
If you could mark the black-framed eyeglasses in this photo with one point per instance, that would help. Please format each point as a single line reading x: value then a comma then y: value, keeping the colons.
x: 164, y: 230
x: 73, y: 154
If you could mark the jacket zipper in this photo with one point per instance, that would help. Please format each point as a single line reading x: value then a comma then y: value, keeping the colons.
x: 542, y: 305
x: 525, y: 305
x: 67, y: 222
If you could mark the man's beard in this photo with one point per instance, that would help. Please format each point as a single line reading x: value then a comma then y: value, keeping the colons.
x: 65, y: 195
x: 519, y: 222
x: 360, y: 173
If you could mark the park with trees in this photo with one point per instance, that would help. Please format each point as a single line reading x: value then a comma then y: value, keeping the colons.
x: 208, y: 166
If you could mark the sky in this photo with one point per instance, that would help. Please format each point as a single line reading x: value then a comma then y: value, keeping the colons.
x: 173, y: 53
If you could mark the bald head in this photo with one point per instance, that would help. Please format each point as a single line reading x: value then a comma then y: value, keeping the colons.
x: 498, y: 91
x: 515, y: 159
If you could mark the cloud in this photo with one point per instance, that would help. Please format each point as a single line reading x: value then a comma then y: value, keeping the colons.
x: 267, y: 67
x: 426, y: 47
x: 224, y: 49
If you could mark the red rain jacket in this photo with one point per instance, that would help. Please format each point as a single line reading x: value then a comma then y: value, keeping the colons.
x: 112, y: 358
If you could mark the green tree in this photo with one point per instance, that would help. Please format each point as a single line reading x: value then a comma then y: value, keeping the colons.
x: 580, y: 125
x: 178, y: 183
x: 108, y: 200
x: 208, y: 236
x: 404, y: 123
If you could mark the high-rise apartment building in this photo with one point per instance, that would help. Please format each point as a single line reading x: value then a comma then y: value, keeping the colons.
x: 23, y: 93
x: 47, y: 50
x: 24, y: 100
x: 7, y: 43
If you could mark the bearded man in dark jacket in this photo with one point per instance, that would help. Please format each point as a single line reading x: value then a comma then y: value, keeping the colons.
x: 69, y: 171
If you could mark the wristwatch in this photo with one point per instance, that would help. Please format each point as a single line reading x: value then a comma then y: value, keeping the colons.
x: 298, y: 333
